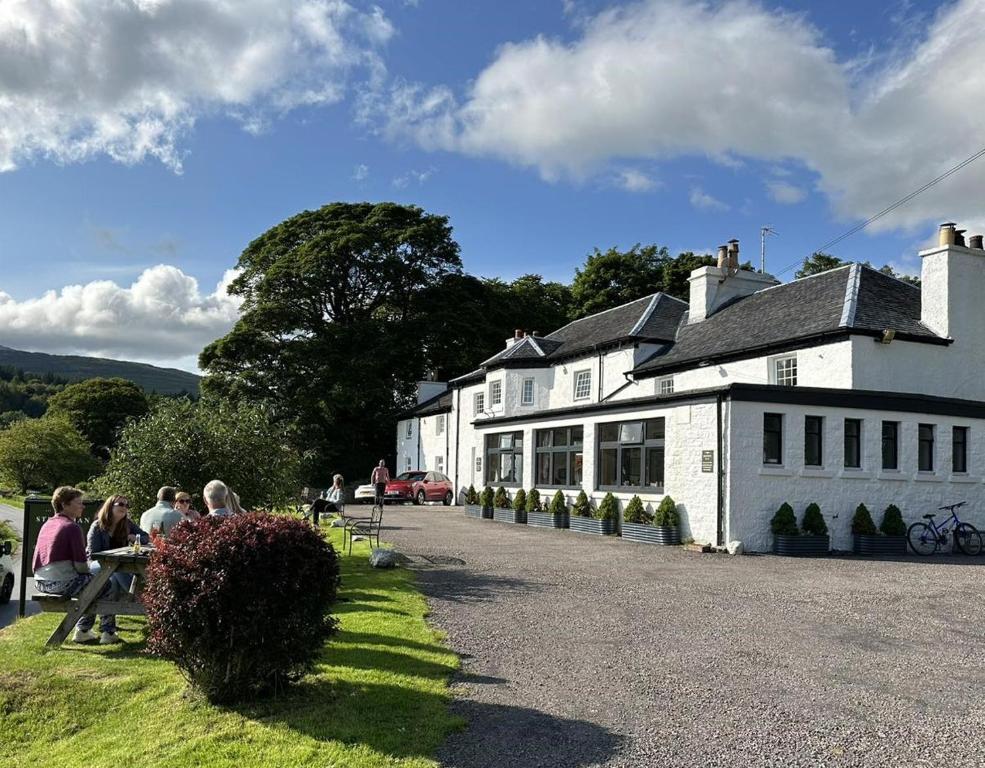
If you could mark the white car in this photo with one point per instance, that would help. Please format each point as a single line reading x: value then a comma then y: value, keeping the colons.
x: 364, y: 494
x: 6, y: 572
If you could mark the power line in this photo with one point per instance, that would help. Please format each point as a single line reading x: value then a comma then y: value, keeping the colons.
x: 891, y: 208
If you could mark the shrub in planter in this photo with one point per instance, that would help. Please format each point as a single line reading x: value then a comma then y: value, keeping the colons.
x: 891, y: 538
x: 636, y: 513
x: 862, y: 524
x: 667, y: 515
x: 582, y: 506
x: 520, y: 501
x: 504, y: 512
x: 472, y: 507
x: 240, y: 604
x: 604, y: 520
x: 784, y: 523
x: 892, y: 522
x: 533, y: 501
x: 552, y: 515
x: 638, y: 525
x: 501, y: 500
x: 787, y: 540
x: 608, y: 509
x: 559, y: 506
x: 813, y: 522
x: 486, y: 502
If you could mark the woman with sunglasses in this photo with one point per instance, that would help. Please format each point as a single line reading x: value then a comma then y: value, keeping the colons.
x: 183, y: 503
x: 111, y: 529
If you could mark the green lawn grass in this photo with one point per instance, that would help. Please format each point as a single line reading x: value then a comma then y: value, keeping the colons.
x: 378, y: 697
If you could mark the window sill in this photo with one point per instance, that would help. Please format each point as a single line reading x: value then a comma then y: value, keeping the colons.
x: 963, y: 478
x: 892, y: 475
x: 855, y: 474
x: 928, y: 477
x: 775, y: 471
x: 819, y: 472
x: 644, y: 490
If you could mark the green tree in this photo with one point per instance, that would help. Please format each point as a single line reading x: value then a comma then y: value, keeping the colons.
x: 818, y: 262
x: 99, y: 408
x: 327, y: 335
x: 186, y: 444
x: 887, y: 269
x: 44, y: 453
x: 678, y: 270
x: 616, y: 277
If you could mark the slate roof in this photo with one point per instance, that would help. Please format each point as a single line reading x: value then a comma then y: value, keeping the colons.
x: 853, y: 298
x: 652, y: 319
x: 440, y: 403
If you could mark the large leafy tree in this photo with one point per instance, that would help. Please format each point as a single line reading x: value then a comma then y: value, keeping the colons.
x: 186, y: 444
x: 44, y: 453
x: 615, y: 277
x: 329, y: 332
x: 818, y: 262
x: 99, y: 408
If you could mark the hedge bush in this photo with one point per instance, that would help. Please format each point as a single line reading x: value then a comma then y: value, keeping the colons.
x: 471, y: 497
x: 608, y: 509
x: 784, y: 523
x: 582, y: 506
x: 813, y: 523
x: 487, y: 497
x: 240, y: 604
x: 862, y: 524
x: 892, y: 522
x: 636, y: 513
x: 667, y: 515
x: 501, y: 500
x: 559, y: 505
x: 533, y: 500
x: 520, y: 500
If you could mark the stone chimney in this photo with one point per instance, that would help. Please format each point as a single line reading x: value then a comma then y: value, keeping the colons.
x: 952, y: 281
x: 711, y: 287
x: 517, y: 336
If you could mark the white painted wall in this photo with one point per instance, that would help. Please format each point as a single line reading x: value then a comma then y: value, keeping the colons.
x: 755, y: 491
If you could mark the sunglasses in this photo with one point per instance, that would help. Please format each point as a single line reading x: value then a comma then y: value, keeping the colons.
x: 121, y: 504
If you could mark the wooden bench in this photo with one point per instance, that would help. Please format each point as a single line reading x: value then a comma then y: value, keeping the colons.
x: 60, y: 604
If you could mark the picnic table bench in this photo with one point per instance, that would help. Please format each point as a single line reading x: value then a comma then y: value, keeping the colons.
x: 122, y: 560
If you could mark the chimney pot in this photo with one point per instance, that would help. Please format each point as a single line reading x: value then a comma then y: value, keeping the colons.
x: 722, y: 256
x: 733, y: 254
x: 946, y: 234
x: 975, y: 241
x: 518, y: 333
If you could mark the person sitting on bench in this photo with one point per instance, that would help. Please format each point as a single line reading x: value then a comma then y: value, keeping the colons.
x: 60, y: 564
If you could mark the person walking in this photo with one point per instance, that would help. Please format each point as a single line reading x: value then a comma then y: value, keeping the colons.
x: 380, y: 477
x: 163, y: 514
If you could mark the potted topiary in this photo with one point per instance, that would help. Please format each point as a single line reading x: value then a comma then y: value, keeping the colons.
x: 502, y: 509
x: 813, y: 540
x: 582, y: 506
x: 553, y: 515
x: 486, y: 501
x: 893, y: 530
x: 604, y: 520
x: 637, y: 523
x: 667, y: 522
x: 472, y: 506
x: 865, y: 537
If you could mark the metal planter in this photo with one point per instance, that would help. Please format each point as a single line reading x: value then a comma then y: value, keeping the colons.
x: 801, y: 546
x: 510, y: 516
x: 649, y: 534
x: 546, y: 520
x: 487, y: 513
x: 865, y: 544
x: 473, y: 510
x: 591, y: 525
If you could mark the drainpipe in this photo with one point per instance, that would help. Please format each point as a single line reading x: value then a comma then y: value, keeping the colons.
x: 446, y: 467
x: 601, y: 376
x: 418, y: 443
x: 720, y: 494
x: 458, y: 428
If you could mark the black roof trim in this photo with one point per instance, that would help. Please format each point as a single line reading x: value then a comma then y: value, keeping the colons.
x: 439, y: 403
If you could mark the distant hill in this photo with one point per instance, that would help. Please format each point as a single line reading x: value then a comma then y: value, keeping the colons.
x: 166, y: 381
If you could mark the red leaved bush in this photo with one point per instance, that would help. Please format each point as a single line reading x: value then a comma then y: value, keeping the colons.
x: 241, y: 604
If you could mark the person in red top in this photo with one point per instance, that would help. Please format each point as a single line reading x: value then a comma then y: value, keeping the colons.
x: 60, y: 565
x: 380, y: 477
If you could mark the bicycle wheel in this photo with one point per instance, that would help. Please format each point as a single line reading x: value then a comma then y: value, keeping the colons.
x: 968, y: 539
x: 922, y: 539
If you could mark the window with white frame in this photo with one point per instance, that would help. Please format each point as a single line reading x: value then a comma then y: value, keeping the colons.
x: 478, y: 403
x: 583, y: 384
x: 407, y: 464
x: 665, y: 386
x: 495, y: 393
x: 410, y: 429
x: 440, y: 428
x: 784, y: 371
x: 439, y: 463
x: 527, y: 392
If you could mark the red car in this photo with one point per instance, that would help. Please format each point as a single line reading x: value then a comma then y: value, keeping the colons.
x: 419, y: 487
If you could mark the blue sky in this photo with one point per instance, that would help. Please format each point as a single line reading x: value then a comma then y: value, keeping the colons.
x: 541, y: 129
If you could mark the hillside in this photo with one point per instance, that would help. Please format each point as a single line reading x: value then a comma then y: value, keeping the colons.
x: 166, y: 381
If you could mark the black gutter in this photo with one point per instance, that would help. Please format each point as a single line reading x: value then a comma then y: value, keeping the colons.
x: 720, y: 500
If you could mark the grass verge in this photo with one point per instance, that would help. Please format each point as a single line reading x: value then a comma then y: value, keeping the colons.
x: 378, y: 697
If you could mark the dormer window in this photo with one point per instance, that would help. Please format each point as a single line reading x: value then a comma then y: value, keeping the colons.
x: 783, y: 371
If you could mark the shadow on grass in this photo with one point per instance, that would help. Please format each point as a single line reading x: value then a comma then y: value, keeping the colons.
x: 387, y: 719
x: 361, y: 657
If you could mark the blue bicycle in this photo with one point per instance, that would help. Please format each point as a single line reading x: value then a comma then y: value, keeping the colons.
x: 926, y: 538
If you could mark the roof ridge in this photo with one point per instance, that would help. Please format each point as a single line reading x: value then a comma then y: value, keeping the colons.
x: 850, y: 302
x: 596, y: 314
x: 805, y: 277
x: 647, y: 313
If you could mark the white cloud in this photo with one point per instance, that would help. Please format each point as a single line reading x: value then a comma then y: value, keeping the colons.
x: 162, y: 317
x: 701, y: 199
x: 128, y: 79
x: 633, y: 180
x: 360, y: 172
x: 418, y: 177
x: 665, y: 78
x: 784, y: 192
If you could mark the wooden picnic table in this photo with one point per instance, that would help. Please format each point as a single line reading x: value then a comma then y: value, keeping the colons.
x: 122, y: 560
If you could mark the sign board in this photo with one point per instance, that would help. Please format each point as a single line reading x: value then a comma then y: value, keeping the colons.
x: 707, y: 461
x: 37, y: 510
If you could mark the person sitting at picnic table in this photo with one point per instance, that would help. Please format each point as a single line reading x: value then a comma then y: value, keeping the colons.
x: 183, y: 504
x: 215, y: 495
x: 60, y: 564
x: 112, y: 529
x: 232, y: 502
x: 163, y: 514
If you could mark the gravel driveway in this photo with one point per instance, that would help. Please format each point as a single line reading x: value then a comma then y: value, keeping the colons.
x: 582, y: 651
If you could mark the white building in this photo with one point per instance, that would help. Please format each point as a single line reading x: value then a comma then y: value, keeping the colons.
x: 844, y: 387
